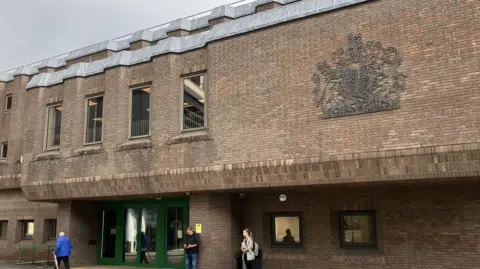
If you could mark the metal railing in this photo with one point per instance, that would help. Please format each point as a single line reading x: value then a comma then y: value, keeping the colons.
x: 94, y: 135
x: 193, y: 119
x: 49, y: 254
x: 141, y: 127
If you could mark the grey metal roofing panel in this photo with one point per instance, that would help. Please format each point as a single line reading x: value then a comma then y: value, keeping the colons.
x: 141, y: 35
x: 5, y: 77
x: 223, y: 11
x: 294, y: 10
x: 51, y: 62
x: 25, y: 70
x: 159, y: 34
x: 199, y: 23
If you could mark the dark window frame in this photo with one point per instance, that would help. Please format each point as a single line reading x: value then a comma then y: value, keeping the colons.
x: 273, y: 240
x: 8, y: 96
x: 205, y: 101
x: 1, y: 151
x: 52, y: 234
x: 369, y: 213
x: 24, y: 224
x: 3, y: 236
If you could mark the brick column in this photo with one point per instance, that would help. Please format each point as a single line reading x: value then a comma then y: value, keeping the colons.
x: 80, y: 222
x: 214, y: 212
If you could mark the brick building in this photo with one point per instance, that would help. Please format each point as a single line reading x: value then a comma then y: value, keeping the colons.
x: 353, y: 124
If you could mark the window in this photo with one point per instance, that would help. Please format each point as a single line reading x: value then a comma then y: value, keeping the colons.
x: 94, y: 120
x: 287, y: 229
x: 140, y: 117
x: 3, y: 229
x: 194, y: 102
x: 8, y: 102
x: 54, y: 126
x: 4, y: 151
x: 27, y: 229
x: 357, y: 229
x: 52, y: 229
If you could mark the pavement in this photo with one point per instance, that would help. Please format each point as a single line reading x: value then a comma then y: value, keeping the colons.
x: 13, y: 265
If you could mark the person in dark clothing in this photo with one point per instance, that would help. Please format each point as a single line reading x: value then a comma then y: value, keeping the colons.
x: 144, y: 249
x: 288, y: 238
x: 63, y: 249
x: 192, y: 242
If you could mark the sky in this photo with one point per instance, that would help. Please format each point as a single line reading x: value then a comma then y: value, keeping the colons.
x: 32, y: 30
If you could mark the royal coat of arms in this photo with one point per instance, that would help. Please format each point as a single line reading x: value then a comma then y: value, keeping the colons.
x: 364, y: 78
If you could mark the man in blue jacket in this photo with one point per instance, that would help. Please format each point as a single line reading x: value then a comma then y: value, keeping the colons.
x: 62, y: 250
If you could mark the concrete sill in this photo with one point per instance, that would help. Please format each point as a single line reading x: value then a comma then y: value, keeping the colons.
x: 189, y: 137
x: 3, y: 162
x: 88, y: 150
x: 48, y: 155
x: 141, y: 143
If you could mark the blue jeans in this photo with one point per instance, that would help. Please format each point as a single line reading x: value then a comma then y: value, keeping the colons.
x: 192, y: 261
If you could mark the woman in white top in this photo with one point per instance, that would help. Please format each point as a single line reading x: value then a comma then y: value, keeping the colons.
x: 247, y: 249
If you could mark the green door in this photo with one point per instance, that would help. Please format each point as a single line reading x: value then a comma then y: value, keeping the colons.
x: 144, y: 233
x: 109, y: 238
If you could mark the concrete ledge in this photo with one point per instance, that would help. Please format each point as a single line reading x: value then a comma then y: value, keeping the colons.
x: 88, y: 150
x: 459, y: 161
x: 188, y: 137
x: 136, y: 143
x: 48, y: 155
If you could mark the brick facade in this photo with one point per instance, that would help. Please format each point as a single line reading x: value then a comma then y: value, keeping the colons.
x: 264, y: 133
x: 417, y: 226
x: 16, y: 208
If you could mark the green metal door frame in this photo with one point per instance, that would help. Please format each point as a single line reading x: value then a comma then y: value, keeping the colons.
x: 161, y: 207
x: 174, y: 203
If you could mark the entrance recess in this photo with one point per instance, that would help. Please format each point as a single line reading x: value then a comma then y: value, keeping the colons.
x: 143, y: 233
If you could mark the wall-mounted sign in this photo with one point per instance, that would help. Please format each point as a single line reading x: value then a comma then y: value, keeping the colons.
x: 198, y: 228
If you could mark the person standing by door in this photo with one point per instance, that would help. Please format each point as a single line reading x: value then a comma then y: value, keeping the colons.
x: 63, y: 249
x: 192, y: 243
x: 247, y: 249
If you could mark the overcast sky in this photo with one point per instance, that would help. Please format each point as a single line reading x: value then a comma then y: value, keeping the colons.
x: 32, y: 30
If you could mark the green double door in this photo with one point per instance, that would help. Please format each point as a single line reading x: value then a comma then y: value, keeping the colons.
x: 143, y: 233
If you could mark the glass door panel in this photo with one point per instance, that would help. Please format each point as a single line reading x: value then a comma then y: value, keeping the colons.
x: 130, y: 236
x: 148, y: 236
x: 175, y: 235
x: 109, y: 231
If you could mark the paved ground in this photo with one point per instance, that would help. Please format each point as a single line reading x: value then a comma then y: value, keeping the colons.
x: 13, y: 265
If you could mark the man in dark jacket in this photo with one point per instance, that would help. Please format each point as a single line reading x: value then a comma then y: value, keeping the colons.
x: 191, y: 247
x: 63, y: 249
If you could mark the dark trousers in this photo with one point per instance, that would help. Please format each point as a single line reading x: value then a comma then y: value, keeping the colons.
x: 65, y: 262
x: 143, y: 257
x: 249, y: 264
